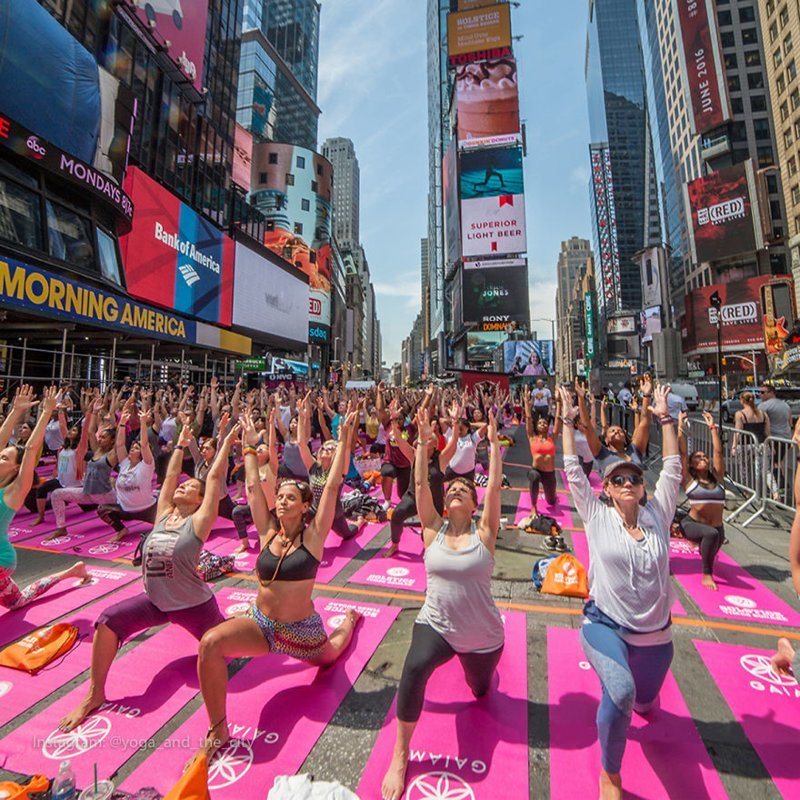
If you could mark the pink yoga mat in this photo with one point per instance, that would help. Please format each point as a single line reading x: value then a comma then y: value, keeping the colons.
x: 145, y: 688
x: 665, y: 757
x: 463, y: 747
x: 580, y: 547
x: 62, y: 598
x: 277, y: 709
x: 20, y: 690
x: 740, y: 596
x: 595, y: 481
x: 560, y: 512
x: 765, y: 705
x: 22, y: 528
x: 78, y: 537
x: 404, y: 570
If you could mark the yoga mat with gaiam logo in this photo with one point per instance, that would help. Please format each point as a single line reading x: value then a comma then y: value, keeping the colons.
x: 665, y: 758
x: 580, y: 547
x: 473, y: 749
x: 404, y: 570
x: 20, y: 690
x: 77, y: 539
x: 560, y: 511
x: 337, y: 554
x: 64, y: 597
x: 277, y: 709
x: 764, y: 703
x: 740, y: 596
x: 146, y: 687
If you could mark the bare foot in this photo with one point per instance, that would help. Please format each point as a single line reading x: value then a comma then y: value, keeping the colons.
x: 79, y: 714
x: 710, y: 583
x: 391, y: 550
x: 244, y: 546
x: 118, y: 537
x: 610, y: 786
x: 57, y: 533
x: 360, y: 523
x: 217, y: 736
x: 39, y: 520
x: 394, y: 780
x: 354, y: 617
x: 78, y: 570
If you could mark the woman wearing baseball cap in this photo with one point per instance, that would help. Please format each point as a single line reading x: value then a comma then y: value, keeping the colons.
x: 626, y: 627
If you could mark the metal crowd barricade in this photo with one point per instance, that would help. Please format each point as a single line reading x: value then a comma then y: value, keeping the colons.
x: 743, y: 460
x: 778, y: 464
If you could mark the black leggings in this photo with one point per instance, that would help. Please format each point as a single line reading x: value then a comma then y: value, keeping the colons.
x: 401, y: 474
x: 547, y: 480
x: 407, y: 508
x: 450, y: 475
x: 114, y: 516
x: 428, y: 651
x: 708, y: 537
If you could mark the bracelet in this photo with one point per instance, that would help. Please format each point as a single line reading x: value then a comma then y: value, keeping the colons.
x: 179, y: 447
x: 648, y: 396
x: 666, y: 420
x: 568, y: 421
x: 249, y: 450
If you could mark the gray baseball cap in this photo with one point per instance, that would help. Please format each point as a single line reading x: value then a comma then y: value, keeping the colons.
x: 618, y: 464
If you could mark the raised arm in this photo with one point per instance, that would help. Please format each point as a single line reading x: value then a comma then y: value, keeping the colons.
x: 585, y: 501
x: 718, y: 457
x: 588, y: 420
x: 428, y: 516
x: 490, y: 518
x: 405, y: 448
x: 262, y: 518
x: 120, y: 447
x: 323, y: 423
x: 23, y: 402
x: 144, y: 439
x: 526, y: 396
x: 205, y: 516
x: 683, y: 448
x: 304, y: 429
x: 380, y: 406
x: 174, y: 467
x: 452, y: 443
x: 641, y: 435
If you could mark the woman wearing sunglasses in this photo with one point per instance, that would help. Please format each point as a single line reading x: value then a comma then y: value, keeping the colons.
x: 626, y: 628
x: 282, y: 619
x: 459, y: 617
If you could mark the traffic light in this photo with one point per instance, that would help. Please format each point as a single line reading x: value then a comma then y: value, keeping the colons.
x: 793, y: 339
x: 724, y: 361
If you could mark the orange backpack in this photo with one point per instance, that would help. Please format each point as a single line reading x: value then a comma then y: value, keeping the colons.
x: 566, y: 576
x: 39, y: 648
x: 194, y: 783
x: 14, y: 791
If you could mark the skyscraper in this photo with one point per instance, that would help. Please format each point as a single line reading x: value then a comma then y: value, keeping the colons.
x: 572, y: 259
x: 346, y: 189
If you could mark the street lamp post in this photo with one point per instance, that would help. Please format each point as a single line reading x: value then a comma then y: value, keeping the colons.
x: 716, y: 303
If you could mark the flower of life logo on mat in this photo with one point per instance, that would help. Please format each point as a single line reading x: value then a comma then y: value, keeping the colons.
x: 59, y: 540
x: 103, y: 549
x: 230, y: 764
x: 397, y: 572
x: 760, y: 666
x: 5, y: 687
x: 337, y: 621
x: 237, y: 609
x: 740, y: 602
x: 439, y: 786
x: 60, y: 745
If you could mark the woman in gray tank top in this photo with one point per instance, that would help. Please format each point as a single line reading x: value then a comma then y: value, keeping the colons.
x: 173, y: 591
x: 459, y: 617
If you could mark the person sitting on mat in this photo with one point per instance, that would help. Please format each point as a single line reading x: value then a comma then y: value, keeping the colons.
x: 703, y: 485
x: 543, y: 453
x: 282, y: 619
x: 626, y: 631
x: 173, y: 589
x: 17, y: 465
x: 134, y: 484
x: 459, y: 617
x: 617, y: 445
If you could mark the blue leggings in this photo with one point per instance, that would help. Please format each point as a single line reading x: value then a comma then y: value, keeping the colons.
x: 631, y: 677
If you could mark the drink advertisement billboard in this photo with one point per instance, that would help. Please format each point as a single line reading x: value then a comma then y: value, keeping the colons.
x: 296, y: 202
x: 492, y: 202
x: 452, y: 225
x: 175, y: 258
x: 479, y: 29
x: 268, y: 298
x: 487, y: 101
x: 495, y: 299
x: 724, y: 215
x: 742, y: 316
x: 182, y: 23
x: 531, y: 358
x: 704, y: 75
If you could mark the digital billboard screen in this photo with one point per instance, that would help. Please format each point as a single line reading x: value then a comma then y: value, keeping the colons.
x: 529, y: 358
x: 175, y: 258
x: 479, y: 29
x: 242, y: 157
x: 721, y: 209
x: 650, y: 323
x: 452, y: 225
x: 495, y: 298
x: 487, y: 102
x: 481, y: 346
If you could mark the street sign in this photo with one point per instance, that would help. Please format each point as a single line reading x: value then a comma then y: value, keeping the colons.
x: 251, y: 365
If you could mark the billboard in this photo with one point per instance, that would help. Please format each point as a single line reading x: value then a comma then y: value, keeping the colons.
x: 588, y: 303
x: 532, y: 358
x: 452, y: 225
x: 703, y: 73
x: 479, y: 29
x: 650, y: 323
x: 175, y: 258
x: 742, y: 316
x: 481, y: 346
x: 242, y: 157
x: 495, y: 299
x: 652, y: 277
x: 778, y: 306
x: 491, y: 173
x: 724, y: 214
x: 605, y: 215
x: 181, y: 23
x: 268, y: 298
x: 296, y: 203
x: 487, y: 101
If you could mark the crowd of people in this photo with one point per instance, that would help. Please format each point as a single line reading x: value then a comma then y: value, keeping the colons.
x: 275, y: 463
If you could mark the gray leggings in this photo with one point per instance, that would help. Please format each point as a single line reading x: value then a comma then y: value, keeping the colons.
x: 708, y: 537
x: 428, y: 651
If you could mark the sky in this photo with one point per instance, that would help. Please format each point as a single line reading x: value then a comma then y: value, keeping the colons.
x: 373, y: 89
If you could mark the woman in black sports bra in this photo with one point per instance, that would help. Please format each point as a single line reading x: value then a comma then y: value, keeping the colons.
x: 283, y: 619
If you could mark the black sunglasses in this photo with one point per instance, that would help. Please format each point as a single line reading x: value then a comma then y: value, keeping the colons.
x: 621, y: 480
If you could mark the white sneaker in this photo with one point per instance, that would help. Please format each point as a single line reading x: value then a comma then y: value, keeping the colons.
x: 386, y: 505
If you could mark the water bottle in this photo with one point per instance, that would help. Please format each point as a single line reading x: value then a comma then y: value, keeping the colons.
x: 64, y: 784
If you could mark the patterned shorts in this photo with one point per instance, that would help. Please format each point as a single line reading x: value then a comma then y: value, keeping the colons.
x: 304, y: 639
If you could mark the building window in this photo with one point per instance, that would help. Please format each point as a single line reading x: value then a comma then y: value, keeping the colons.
x: 777, y: 58
x: 21, y: 215
x: 761, y: 128
x: 749, y: 36
x: 109, y: 260
x: 773, y: 31
x: 301, y: 162
x: 765, y: 156
x: 797, y: 130
x: 730, y: 61
x: 755, y: 80
x: 298, y: 228
x: 780, y: 82
x: 319, y: 169
x: 791, y: 70
x: 724, y: 17
x: 788, y: 44
x: 739, y: 131
x: 783, y: 17
x: 70, y: 236
x: 735, y: 86
x: 787, y: 138
x: 770, y: 7
x: 794, y: 98
x: 262, y: 177
x: 273, y: 158
x: 747, y: 14
x: 752, y: 58
x: 791, y: 166
x: 289, y: 179
x: 795, y: 195
x: 772, y: 184
x: 314, y: 186
x: 758, y: 102
x: 305, y: 205
x: 737, y: 105
x: 727, y: 39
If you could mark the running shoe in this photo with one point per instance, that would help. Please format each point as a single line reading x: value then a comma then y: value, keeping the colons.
x: 550, y: 543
